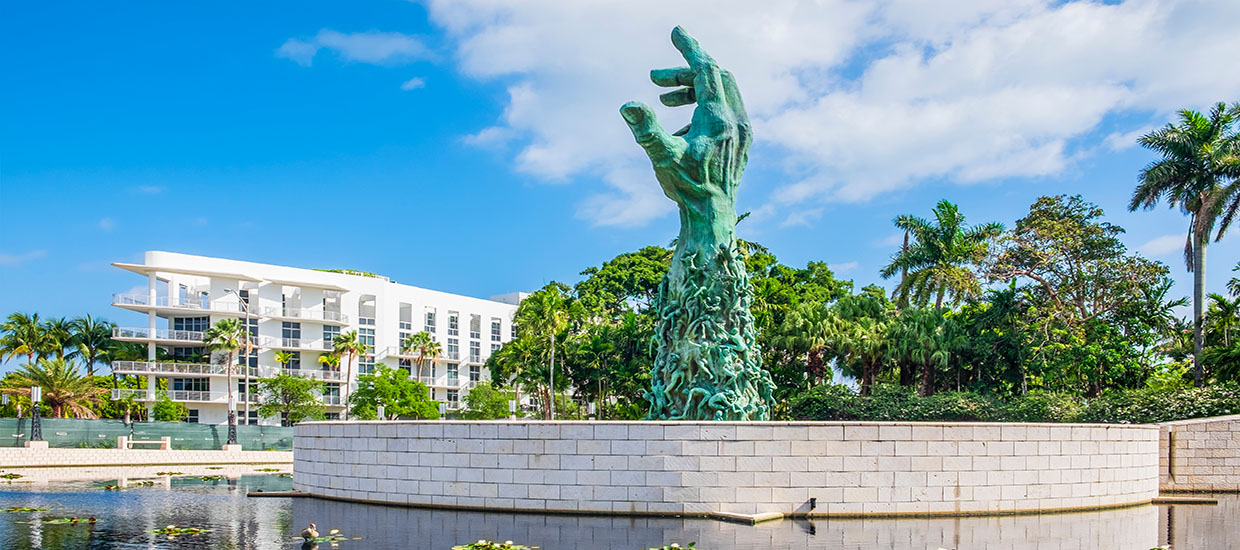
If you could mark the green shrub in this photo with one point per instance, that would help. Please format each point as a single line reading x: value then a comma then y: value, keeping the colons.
x: 1150, y: 405
x: 900, y: 404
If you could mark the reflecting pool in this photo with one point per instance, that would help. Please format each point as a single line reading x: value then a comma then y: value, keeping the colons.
x: 124, y: 519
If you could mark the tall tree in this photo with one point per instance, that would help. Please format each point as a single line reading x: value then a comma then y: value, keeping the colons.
x: 90, y: 340
x: 426, y: 348
x: 1199, y: 156
x: 60, y: 333
x: 226, y: 336
x: 1233, y: 286
x: 545, y: 314
x: 348, y: 344
x: 1223, y: 316
x: 293, y: 398
x: 23, y: 334
x: 283, y: 358
x: 399, y: 396
x: 940, y: 262
x: 65, y: 391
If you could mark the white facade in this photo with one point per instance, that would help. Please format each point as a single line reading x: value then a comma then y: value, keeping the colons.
x: 298, y: 311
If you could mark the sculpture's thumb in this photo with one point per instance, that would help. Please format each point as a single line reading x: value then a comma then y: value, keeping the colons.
x: 659, y: 145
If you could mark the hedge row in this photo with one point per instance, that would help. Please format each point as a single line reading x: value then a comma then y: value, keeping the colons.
x: 896, y: 403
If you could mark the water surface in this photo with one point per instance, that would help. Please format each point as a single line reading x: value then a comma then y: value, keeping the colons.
x: 237, y: 522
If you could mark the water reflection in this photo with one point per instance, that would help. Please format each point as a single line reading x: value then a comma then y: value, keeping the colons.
x: 238, y: 522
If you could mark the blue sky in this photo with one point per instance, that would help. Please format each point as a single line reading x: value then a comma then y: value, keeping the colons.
x: 475, y: 147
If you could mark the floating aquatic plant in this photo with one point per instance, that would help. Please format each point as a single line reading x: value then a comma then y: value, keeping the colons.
x: 674, y: 546
x: 484, y: 544
x: 284, y: 474
x: 333, y: 536
x: 169, y: 473
x: 66, y: 521
x: 176, y: 531
x: 212, y: 478
x: 215, y: 467
x: 19, y: 509
x: 267, y: 470
x: 11, y: 476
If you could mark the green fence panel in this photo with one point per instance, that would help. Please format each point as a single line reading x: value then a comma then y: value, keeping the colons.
x: 81, y: 433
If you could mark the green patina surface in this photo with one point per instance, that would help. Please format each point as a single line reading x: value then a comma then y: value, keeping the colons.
x: 707, y: 365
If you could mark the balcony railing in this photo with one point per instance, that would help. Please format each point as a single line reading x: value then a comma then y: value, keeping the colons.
x: 317, y: 374
x: 300, y: 343
x: 331, y: 399
x: 165, y: 302
x: 307, y: 314
x: 122, y: 333
x: 190, y: 396
x: 205, y: 369
x: 452, y: 355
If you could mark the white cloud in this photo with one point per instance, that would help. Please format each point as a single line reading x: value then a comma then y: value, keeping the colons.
x: 107, y: 224
x: 802, y: 218
x: 855, y: 99
x: 364, y: 47
x: 413, y: 83
x: 1120, y: 141
x: 843, y: 267
x: 14, y: 260
x: 1163, y: 246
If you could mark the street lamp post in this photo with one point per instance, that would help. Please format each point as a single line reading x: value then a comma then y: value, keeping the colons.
x: 245, y: 371
x: 36, y: 426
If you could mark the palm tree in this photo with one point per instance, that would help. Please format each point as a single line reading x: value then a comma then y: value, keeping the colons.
x: 60, y: 334
x: 425, y: 346
x: 65, y: 391
x: 348, y: 344
x: 1198, y: 156
x: 923, y: 338
x: 595, y: 351
x: 25, y: 335
x: 545, y: 313
x: 284, y: 357
x: 1233, y: 286
x: 1224, y: 315
x: 90, y: 340
x: 865, y: 342
x: 938, y: 263
x: 226, y: 336
x: 331, y: 361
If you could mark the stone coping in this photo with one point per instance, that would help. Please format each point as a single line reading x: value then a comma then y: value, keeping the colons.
x: 808, y: 423
x: 809, y: 469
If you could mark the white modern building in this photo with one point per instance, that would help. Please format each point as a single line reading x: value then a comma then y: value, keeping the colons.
x: 298, y: 311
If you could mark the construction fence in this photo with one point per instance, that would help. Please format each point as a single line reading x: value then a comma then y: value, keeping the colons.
x: 81, y: 433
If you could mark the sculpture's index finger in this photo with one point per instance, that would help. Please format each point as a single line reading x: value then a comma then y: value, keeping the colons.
x: 690, y: 49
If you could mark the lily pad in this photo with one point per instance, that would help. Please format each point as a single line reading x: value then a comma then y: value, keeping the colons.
x: 11, y: 476
x: 176, y: 531
x: 66, y: 521
x: 212, y: 478
x: 484, y: 544
x: 169, y: 473
x: 21, y: 509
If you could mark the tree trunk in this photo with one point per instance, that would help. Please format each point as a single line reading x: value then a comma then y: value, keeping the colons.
x: 551, y: 388
x: 903, y: 303
x: 938, y: 300
x: 927, y: 379
x: 348, y: 376
x: 1199, y: 286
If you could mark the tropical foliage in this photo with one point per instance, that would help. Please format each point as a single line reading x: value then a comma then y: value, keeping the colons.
x: 65, y: 391
x: 399, y: 396
x: 292, y: 398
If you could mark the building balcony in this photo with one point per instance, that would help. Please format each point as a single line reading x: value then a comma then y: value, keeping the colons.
x: 190, y: 369
x: 184, y: 396
x: 144, y: 303
x: 299, y: 344
x: 331, y: 400
x: 317, y: 374
x: 313, y: 315
x: 159, y: 336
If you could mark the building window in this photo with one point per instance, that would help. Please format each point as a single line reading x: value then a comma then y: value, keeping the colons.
x: 189, y: 354
x: 513, y: 329
x: 245, y: 297
x: 191, y: 384
x: 406, y: 325
x: 290, y: 330
x: 430, y: 322
x: 366, y: 321
x: 454, y: 322
x: 495, y: 348
x: 475, y: 352
x: 475, y: 326
x: 195, y: 324
x: 193, y: 416
x: 331, y: 416
x: 331, y: 394
x: 295, y: 362
x: 329, y: 334
x: 253, y: 418
x: 241, y: 389
x: 475, y: 373
x: 495, y: 330
x: 454, y: 349
x: 366, y: 362
x: 453, y: 374
x: 453, y: 399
